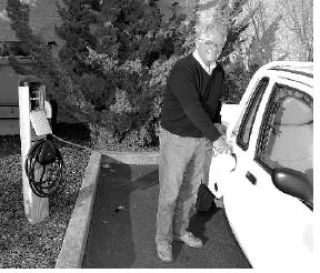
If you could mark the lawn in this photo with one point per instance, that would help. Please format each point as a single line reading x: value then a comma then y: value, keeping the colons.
x: 23, y: 245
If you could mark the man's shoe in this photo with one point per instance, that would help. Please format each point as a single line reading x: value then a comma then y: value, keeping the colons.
x: 189, y: 239
x: 164, y: 251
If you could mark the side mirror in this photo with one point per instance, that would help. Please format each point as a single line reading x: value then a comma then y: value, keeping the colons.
x: 294, y: 183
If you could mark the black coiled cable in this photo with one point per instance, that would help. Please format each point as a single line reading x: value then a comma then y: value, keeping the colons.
x: 43, y: 167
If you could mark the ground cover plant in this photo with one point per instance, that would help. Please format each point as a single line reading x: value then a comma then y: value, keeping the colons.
x: 23, y: 245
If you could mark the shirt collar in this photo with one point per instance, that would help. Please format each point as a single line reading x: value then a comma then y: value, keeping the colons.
x: 205, y: 67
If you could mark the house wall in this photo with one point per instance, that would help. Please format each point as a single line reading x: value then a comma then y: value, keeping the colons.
x: 8, y: 84
x: 9, y: 101
x: 9, y: 110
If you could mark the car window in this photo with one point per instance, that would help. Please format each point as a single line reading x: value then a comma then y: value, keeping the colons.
x: 286, y: 135
x: 250, y: 113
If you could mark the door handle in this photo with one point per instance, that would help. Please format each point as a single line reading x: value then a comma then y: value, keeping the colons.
x: 251, y: 178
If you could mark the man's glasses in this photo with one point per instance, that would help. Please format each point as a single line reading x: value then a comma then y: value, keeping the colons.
x: 211, y: 43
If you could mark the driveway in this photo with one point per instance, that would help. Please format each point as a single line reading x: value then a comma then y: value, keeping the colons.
x: 123, y: 222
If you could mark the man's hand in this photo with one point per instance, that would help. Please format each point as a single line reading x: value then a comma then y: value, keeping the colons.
x: 219, y: 202
x: 221, y: 128
x: 221, y: 146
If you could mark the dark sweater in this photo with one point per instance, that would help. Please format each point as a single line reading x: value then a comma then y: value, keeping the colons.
x: 192, y: 100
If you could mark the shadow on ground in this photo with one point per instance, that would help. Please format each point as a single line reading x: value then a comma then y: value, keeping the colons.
x: 123, y: 226
x: 75, y: 132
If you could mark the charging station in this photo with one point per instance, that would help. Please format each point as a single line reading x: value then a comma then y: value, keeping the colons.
x: 34, y: 113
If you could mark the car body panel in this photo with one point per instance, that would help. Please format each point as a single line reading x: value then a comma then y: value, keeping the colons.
x: 274, y: 229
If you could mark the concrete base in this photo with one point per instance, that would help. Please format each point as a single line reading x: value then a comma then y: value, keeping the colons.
x: 74, y: 242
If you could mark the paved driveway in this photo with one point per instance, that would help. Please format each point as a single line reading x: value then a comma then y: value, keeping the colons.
x: 123, y: 226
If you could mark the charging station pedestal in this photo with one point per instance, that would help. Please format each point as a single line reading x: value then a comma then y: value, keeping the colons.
x: 34, y: 125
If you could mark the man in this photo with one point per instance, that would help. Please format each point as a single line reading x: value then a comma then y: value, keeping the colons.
x: 189, y: 121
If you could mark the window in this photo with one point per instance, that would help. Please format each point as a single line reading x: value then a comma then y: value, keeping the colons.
x: 250, y: 114
x: 286, y: 134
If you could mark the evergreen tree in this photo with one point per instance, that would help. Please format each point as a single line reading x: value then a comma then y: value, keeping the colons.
x: 77, y: 17
x: 113, y: 67
x: 43, y: 65
x: 126, y: 30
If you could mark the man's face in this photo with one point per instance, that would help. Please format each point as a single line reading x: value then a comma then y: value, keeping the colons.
x: 210, y: 46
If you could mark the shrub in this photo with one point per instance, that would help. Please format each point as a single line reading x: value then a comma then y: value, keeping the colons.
x: 113, y: 67
x: 135, y: 51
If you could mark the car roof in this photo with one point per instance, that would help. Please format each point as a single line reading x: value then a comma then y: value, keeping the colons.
x: 291, y: 70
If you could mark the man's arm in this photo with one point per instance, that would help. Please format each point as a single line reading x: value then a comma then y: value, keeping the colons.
x: 185, y: 90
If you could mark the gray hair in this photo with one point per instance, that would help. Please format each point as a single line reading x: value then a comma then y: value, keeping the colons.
x: 211, y: 25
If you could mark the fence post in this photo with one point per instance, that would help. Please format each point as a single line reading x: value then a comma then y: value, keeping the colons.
x: 36, y: 208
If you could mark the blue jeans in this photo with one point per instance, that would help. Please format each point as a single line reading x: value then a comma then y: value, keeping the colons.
x: 181, y: 168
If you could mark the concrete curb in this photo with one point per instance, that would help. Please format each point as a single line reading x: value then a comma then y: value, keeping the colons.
x: 140, y: 163
x: 73, y: 246
x: 75, y: 240
x: 146, y: 158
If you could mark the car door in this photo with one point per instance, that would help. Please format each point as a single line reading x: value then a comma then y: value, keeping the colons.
x: 273, y: 228
x: 239, y: 189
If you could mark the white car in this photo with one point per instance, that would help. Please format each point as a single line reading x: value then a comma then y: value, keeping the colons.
x: 267, y: 181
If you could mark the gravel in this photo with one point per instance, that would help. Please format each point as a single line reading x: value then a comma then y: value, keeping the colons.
x: 23, y: 245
